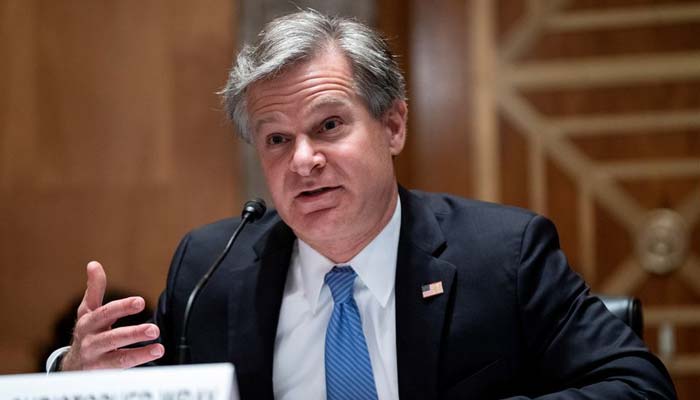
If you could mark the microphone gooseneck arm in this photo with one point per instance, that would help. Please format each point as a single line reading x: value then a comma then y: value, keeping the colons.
x: 252, y: 210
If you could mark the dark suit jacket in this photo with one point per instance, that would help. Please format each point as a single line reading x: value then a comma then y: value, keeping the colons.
x: 514, y: 319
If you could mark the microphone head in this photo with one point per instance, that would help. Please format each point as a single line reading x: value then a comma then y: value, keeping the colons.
x: 254, y: 209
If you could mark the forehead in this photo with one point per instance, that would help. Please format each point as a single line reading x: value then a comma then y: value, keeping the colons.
x: 326, y: 75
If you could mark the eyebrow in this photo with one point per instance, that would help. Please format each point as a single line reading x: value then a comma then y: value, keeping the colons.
x: 322, y: 102
x: 329, y: 101
x: 263, y: 121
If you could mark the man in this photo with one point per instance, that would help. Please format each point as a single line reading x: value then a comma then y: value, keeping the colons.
x: 355, y: 287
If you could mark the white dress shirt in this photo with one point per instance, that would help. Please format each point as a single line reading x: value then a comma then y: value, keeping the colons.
x: 298, y: 365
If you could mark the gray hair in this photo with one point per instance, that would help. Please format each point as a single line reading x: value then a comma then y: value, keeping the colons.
x: 290, y: 39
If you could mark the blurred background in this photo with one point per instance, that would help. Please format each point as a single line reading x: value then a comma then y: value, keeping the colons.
x: 113, y: 144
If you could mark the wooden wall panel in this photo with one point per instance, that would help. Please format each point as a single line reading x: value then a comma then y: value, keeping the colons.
x: 112, y: 146
x: 439, y: 103
x: 596, y: 110
x: 627, y: 143
x: 391, y: 20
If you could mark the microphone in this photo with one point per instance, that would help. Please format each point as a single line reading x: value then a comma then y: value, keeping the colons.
x: 252, y: 211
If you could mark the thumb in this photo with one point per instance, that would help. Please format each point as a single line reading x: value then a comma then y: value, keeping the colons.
x: 96, y: 285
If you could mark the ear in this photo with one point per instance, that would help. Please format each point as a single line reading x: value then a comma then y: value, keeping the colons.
x: 394, y: 121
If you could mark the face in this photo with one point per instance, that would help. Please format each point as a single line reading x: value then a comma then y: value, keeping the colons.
x: 327, y: 161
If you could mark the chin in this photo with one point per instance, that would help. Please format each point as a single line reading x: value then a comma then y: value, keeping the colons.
x: 320, y: 226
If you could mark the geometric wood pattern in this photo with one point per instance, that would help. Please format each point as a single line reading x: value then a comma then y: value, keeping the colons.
x: 518, y: 82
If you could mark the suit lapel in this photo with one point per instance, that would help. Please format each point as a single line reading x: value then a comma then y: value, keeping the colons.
x: 254, y: 305
x: 256, y: 297
x: 419, y: 322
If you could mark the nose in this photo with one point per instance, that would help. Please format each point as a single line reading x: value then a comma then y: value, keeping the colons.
x: 306, y: 157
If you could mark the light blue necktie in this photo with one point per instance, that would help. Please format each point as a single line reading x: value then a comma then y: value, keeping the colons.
x: 348, y: 369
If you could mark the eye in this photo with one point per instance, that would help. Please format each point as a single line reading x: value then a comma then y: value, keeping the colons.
x: 276, y: 139
x: 330, y: 124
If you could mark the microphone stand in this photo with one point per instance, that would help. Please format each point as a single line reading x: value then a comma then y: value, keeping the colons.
x: 252, y: 210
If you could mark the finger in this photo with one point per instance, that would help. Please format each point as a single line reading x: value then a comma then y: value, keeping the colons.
x: 103, y: 317
x: 96, y: 285
x: 96, y: 345
x: 127, y: 358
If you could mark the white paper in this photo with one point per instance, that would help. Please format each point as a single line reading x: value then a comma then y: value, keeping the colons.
x: 184, y: 382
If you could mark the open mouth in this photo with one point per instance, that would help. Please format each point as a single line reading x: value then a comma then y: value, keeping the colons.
x: 317, y: 192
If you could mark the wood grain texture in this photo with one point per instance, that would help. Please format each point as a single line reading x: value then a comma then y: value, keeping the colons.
x: 113, y: 146
x: 633, y: 140
x: 439, y: 138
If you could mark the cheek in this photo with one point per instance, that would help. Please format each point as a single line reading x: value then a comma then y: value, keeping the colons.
x: 365, y: 164
x: 274, y: 177
x: 275, y: 186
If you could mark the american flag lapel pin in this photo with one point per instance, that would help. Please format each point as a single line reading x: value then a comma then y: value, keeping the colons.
x: 431, y: 289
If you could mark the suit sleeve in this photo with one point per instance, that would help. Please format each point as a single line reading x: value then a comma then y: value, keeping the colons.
x: 579, y: 349
x: 164, y: 315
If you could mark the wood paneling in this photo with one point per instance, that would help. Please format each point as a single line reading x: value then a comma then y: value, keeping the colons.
x: 392, y: 18
x: 597, y: 104
x: 112, y: 146
x: 439, y: 102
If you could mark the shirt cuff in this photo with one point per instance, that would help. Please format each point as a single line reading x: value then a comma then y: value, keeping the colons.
x: 54, y: 359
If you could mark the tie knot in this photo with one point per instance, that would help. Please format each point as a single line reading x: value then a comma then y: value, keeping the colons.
x: 340, y: 281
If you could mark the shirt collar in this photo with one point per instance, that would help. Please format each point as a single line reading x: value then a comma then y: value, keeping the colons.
x: 375, y: 265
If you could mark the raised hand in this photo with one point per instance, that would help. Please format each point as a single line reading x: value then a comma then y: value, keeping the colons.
x: 95, y: 344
